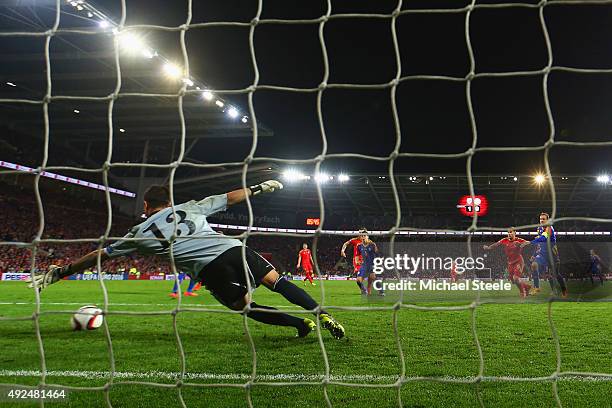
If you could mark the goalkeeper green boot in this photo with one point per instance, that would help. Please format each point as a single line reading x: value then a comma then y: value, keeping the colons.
x: 329, y: 323
x: 309, y: 326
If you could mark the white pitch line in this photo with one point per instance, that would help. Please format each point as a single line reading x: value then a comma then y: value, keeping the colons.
x: 184, y: 305
x: 169, y: 375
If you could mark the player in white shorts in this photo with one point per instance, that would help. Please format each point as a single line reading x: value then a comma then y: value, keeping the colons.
x: 207, y: 256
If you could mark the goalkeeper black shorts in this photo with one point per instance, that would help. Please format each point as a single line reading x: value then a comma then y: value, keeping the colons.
x: 225, y: 277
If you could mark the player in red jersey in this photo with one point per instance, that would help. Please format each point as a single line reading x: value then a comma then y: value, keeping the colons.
x: 516, y: 263
x: 305, y: 259
x: 357, y: 258
x: 453, y: 273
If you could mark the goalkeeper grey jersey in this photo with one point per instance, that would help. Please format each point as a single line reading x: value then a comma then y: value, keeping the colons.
x: 196, y: 244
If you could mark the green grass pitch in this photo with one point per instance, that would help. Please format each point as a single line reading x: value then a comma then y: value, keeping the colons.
x: 516, y: 342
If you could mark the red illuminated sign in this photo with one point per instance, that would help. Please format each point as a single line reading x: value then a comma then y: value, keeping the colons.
x: 468, y: 206
x: 313, y: 221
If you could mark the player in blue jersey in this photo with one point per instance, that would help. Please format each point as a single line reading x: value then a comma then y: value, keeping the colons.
x: 595, y: 267
x: 546, y: 257
x: 218, y: 261
x: 368, y: 250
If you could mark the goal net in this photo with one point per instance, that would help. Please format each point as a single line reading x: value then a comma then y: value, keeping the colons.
x: 115, y: 26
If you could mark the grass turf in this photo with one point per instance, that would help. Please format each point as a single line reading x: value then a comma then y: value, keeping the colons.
x: 516, y: 341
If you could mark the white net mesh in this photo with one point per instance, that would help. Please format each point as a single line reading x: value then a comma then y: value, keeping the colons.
x: 326, y: 379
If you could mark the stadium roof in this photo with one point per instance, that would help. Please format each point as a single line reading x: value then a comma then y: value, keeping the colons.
x: 148, y: 129
x: 83, y: 65
x: 432, y: 195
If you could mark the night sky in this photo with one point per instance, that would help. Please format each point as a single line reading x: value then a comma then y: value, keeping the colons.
x: 433, y: 114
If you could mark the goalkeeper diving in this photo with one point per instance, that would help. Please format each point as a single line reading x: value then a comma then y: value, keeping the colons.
x: 207, y: 256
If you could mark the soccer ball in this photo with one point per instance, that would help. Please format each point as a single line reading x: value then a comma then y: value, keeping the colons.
x: 87, y: 318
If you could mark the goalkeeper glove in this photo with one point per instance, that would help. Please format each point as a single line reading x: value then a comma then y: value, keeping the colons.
x: 43, y: 279
x: 266, y: 187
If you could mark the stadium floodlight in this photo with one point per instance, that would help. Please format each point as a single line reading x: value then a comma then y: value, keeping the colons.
x: 122, y: 130
x: 292, y: 175
x: 76, y: 111
x: 104, y: 24
x: 539, y: 178
x: 89, y: 14
x: 130, y: 42
x: 604, y: 178
x: 172, y: 70
x: 245, y: 119
x: 207, y: 95
x: 10, y: 84
x: 342, y: 178
x: 219, y: 103
x: 515, y: 178
x: 79, y: 7
x: 322, y: 177
x: 233, y: 112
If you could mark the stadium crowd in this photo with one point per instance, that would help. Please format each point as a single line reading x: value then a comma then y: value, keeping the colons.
x: 19, y: 222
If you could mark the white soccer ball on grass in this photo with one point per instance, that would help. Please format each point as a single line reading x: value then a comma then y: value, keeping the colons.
x: 87, y: 318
